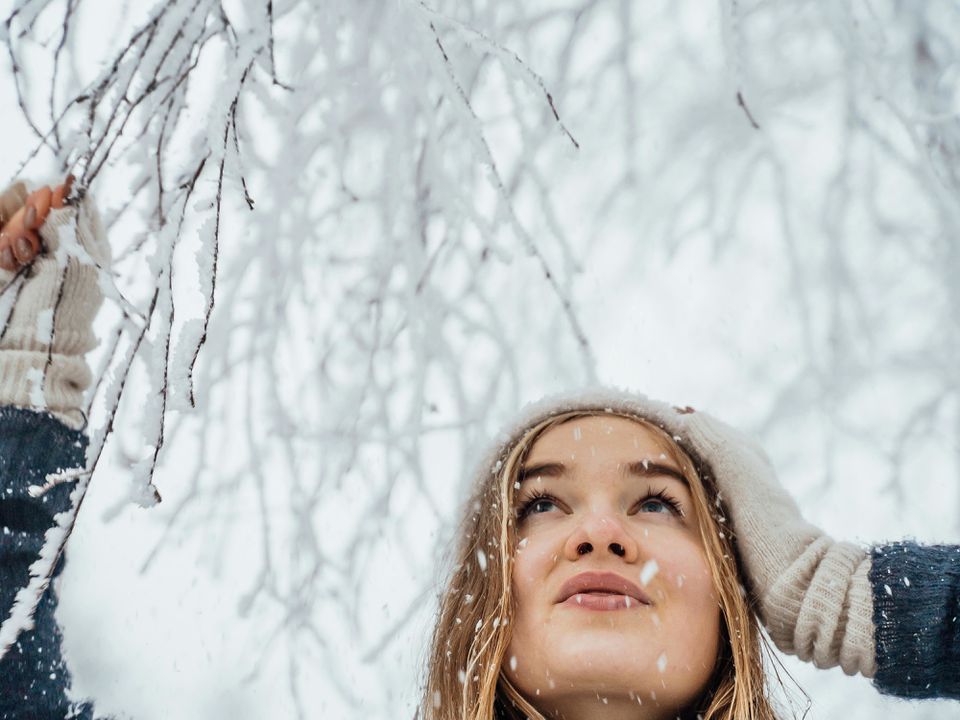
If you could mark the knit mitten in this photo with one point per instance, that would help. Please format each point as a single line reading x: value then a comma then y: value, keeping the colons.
x: 814, y: 593
x: 49, y: 330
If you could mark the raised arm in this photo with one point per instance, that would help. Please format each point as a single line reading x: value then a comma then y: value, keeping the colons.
x: 47, y: 251
x: 890, y: 612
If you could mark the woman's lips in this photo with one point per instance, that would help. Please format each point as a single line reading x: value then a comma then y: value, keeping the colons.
x: 605, y: 585
x: 603, y: 601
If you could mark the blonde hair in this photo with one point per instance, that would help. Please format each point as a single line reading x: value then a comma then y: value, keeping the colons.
x: 472, y: 633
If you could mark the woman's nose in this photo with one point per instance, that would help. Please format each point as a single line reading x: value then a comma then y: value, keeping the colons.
x: 601, y: 533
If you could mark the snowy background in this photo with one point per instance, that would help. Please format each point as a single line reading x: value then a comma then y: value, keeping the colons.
x: 748, y: 207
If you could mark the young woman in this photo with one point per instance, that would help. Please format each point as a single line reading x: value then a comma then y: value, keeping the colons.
x: 597, y: 573
x: 595, y: 577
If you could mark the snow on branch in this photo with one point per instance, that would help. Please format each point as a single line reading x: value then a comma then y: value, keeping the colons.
x: 336, y: 311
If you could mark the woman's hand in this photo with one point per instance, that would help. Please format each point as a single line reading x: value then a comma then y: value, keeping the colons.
x: 22, y: 216
x: 813, y: 593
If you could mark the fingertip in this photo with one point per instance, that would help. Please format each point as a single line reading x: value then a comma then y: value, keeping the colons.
x: 40, y: 202
x: 23, y: 249
x: 7, y: 261
x: 60, y: 194
x: 35, y: 244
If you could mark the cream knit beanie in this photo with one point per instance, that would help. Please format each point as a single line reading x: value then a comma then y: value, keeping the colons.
x: 49, y: 330
x: 812, y: 593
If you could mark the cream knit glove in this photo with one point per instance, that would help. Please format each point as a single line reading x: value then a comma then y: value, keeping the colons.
x: 50, y: 329
x: 814, y: 593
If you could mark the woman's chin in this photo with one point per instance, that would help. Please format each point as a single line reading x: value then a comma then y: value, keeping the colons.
x: 584, y: 662
x: 608, y: 648
x: 570, y: 680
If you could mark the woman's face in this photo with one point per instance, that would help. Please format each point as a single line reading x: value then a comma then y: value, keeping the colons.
x: 641, y: 639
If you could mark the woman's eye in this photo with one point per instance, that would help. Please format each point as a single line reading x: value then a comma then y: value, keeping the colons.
x: 655, y: 506
x: 660, y: 503
x: 531, y: 509
x: 535, y: 506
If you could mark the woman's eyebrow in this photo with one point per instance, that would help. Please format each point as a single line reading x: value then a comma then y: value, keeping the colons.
x: 550, y: 469
x: 646, y: 468
x: 641, y: 468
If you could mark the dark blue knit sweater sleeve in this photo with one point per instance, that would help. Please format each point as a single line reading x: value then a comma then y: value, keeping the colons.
x: 916, y: 614
x: 33, y: 676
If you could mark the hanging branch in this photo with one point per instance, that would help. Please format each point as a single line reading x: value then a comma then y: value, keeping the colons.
x: 134, y: 125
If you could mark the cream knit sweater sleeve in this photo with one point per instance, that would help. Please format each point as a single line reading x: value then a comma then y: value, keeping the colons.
x: 49, y: 329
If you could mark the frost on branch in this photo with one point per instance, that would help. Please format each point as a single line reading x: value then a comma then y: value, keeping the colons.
x: 310, y: 222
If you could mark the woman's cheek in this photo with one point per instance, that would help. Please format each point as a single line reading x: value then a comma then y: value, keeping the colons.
x: 683, y: 573
x: 535, y: 557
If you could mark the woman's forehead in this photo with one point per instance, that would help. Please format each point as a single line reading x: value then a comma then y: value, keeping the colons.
x: 593, y: 434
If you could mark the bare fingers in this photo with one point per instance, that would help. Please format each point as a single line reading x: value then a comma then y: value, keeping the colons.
x: 20, y: 238
x: 17, y: 247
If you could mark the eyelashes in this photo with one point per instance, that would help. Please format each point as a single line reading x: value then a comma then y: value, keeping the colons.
x: 659, y: 496
x: 667, y: 499
x: 525, y: 506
